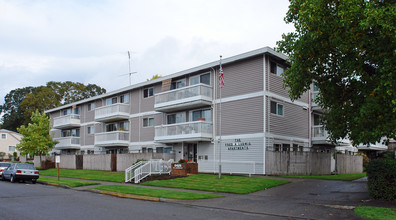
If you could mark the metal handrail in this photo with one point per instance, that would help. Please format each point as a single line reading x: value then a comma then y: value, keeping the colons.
x: 143, y: 169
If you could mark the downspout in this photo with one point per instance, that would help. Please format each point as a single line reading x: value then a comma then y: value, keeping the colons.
x: 264, y: 112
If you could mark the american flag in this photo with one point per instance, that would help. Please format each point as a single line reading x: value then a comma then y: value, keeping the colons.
x: 221, y: 76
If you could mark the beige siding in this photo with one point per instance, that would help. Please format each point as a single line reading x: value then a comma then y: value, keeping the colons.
x: 242, y: 116
x: 135, y: 96
x: 293, y: 123
x: 243, y: 77
x: 134, y: 137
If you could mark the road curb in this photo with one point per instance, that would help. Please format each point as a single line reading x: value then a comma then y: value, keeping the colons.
x: 129, y: 196
x: 54, y: 184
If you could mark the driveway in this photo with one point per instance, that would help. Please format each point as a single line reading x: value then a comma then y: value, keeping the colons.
x: 301, y: 199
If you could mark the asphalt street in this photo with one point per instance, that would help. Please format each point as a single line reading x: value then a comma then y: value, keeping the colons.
x: 301, y: 199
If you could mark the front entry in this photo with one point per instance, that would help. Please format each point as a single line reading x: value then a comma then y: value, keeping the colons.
x: 192, y: 152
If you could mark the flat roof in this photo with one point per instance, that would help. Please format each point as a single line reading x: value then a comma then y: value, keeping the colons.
x: 264, y: 50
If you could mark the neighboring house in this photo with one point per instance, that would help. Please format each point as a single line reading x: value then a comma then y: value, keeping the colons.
x: 8, y: 143
x: 187, y: 114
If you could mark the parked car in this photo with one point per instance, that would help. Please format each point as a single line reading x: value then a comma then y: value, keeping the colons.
x: 3, y: 166
x: 20, y: 171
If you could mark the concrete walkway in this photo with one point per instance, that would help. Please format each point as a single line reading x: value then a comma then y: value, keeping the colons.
x: 300, y: 199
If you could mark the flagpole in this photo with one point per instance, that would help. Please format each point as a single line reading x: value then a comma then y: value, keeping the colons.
x: 220, y: 87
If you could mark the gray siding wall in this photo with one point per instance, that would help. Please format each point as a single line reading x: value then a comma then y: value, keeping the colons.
x: 241, y: 116
x: 243, y: 77
x: 135, y: 96
x: 134, y: 137
x: 147, y: 104
x: 294, y: 122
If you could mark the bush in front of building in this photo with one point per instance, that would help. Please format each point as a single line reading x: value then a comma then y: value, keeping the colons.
x: 381, y: 174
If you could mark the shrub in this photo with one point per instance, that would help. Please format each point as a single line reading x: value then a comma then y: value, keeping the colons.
x: 381, y: 175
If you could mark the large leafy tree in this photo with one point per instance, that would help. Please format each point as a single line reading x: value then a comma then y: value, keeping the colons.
x: 21, y: 103
x: 348, y: 48
x: 36, y: 138
x: 13, y: 115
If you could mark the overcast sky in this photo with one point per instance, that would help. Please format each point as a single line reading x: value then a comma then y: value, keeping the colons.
x: 87, y: 40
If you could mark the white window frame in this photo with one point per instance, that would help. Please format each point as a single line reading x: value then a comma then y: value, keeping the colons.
x: 277, y: 105
x: 91, y: 129
x: 201, y: 109
x: 278, y: 67
x: 177, y: 113
x: 4, y: 136
x: 91, y: 106
x: 199, y: 77
x: 148, y: 92
x: 109, y: 101
x: 125, y: 98
x: 10, y: 148
x: 148, y: 120
x: 178, y: 81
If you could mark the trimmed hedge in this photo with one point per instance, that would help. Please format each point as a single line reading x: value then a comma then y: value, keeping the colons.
x: 381, y: 175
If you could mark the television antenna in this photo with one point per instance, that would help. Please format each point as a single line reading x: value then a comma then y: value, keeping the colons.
x: 129, y: 73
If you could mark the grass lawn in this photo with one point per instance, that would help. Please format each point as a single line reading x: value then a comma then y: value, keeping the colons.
x: 158, y: 193
x: 67, y: 182
x: 375, y: 212
x: 230, y: 184
x: 344, y: 177
x: 87, y: 174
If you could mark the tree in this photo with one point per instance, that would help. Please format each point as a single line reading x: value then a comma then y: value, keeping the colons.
x: 72, y: 92
x: 20, y: 103
x: 42, y: 98
x: 347, y: 48
x: 156, y: 76
x: 13, y: 115
x: 36, y: 138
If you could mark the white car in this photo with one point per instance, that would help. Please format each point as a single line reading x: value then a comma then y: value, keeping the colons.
x: 3, y: 166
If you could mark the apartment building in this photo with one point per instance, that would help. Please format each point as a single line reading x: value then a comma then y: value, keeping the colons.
x: 189, y: 115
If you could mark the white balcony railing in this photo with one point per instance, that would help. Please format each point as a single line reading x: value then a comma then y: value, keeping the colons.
x: 112, y: 138
x: 189, y: 131
x: 112, y: 112
x: 68, y: 143
x: 319, y: 133
x: 66, y: 121
x: 190, y: 96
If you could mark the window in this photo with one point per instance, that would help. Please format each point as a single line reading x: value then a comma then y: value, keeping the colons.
x: 277, y: 147
x: 111, y: 101
x: 178, y: 84
x: 91, y: 130
x: 148, y: 92
x: 176, y: 118
x: 204, y: 114
x: 66, y: 111
x: 76, y: 110
x: 70, y: 133
x: 276, y: 108
x: 91, y: 106
x: 124, y: 98
x: 317, y: 119
x: 159, y: 150
x: 111, y: 127
x: 11, y: 148
x: 286, y: 147
x: 276, y: 69
x: 124, y: 126
x: 3, y: 136
x: 203, y: 78
x: 148, y: 122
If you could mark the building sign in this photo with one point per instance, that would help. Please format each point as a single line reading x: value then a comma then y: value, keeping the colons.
x: 238, y: 145
x: 177, y: 166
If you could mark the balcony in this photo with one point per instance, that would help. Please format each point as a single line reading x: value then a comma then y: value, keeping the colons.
x: 67, y: 121
x: 184, y: 98
x: 189, y: 131
x: 114, y: 112
x: 67, y: 143
x: 319, y: 135
x: 113, y: 138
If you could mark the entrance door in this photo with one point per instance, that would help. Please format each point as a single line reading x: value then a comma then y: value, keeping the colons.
x: 192, y: 152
